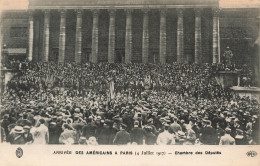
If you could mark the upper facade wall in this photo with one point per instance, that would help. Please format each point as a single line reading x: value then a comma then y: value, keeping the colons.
x: 36, y: 4
x: 13, y: 21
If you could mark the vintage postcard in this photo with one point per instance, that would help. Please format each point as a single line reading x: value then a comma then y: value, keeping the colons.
x: 130, y: 82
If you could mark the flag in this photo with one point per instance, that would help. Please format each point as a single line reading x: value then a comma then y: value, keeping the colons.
x: 49, y: 80
x: 147, y: 81
x: 112, y: 89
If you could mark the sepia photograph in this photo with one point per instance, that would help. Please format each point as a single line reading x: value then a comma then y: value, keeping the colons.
x: 108, y: 75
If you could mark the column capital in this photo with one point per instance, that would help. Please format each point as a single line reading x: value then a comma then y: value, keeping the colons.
x: 62, y: 12
x: 46, y: 11
x: 215, y: 12
x: 180, y: 12
x: 145, y: 10
x: 112, y: 12
x: 78, y: 11
x: 95, y: 12
x: 128, y: 11
x: 198, y: 12
x: 31, y: 11
x: 163, y: 11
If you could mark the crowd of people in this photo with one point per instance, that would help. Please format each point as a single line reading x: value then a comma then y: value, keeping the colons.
x: 117, y: 104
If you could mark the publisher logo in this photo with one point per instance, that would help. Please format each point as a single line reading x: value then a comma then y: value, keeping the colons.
x: 19, y: 152
x: 251, y: 153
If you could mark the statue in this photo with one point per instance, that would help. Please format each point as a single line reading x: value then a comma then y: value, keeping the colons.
x: 227, y: 56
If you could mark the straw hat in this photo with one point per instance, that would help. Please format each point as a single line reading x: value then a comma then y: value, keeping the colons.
x: 18, y: 129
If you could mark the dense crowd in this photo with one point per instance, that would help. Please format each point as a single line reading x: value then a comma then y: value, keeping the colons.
x: 119, y: 104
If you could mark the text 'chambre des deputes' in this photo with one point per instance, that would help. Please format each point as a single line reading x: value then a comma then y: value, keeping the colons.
x: 96, y: 152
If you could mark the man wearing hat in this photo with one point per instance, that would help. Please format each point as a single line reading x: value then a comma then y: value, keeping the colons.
x: 175, y: 127
x: 227, y: 139
x: 55, y: 131
x: 150, y: 137
x: 122, y: 137
x: 82, y: 141
x: 89, y: 129
x: 180, y: 138
x: 150, y: 124
x: 92, y: 141
x: 27, y: 135
x: 68, y: 134
x: 166, y: 138
x: 100, y: 125
x: 137, y: 134
x: 208, y: 134
x: 106, y: 132
x: 191, y: 135
x: 220, y: 131
x: 17, y: 136
x: 240, y: 138
x: 156, y: 120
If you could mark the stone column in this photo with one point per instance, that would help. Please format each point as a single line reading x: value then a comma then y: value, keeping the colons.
x: 1, y: 44
x: 78, y: 43
x: 215, y: 37
x: 162, y: 36
x: 62, y: 38
x: 46, y: 35
x: 128, y: 37
x: 258, y: 59
x: 238, y: 80
x: 180, y: 56
x: 111, y: 38
x: 145, y: 41
x: 30, y: 51
x: 257, y: 68
x: 94, y: 52
x: 198, y: 36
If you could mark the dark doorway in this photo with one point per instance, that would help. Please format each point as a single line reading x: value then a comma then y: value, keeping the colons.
x: 154, y: 56
x: 54, y: 55
x: 17, y: 57
x: 120, y: 55
x: 86, y: 52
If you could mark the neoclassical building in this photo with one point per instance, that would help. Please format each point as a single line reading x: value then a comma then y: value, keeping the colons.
x: 124, y: 31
